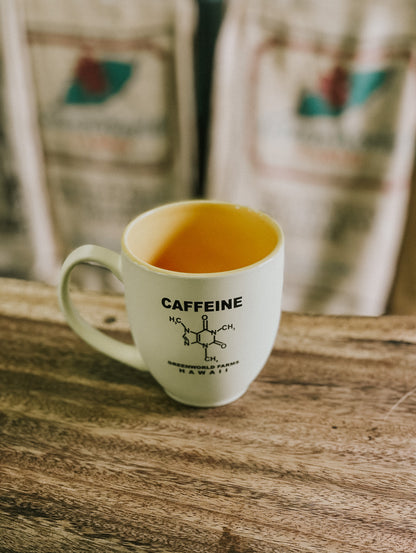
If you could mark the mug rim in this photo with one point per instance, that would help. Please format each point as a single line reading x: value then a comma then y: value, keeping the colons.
x: 180, y: 274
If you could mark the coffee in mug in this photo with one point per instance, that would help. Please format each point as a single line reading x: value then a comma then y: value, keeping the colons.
x: 203, y: 288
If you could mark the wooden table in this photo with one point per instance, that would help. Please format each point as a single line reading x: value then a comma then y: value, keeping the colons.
x: 318, y: 456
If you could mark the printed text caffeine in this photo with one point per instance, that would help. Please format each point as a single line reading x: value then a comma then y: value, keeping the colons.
x: 205, y: 306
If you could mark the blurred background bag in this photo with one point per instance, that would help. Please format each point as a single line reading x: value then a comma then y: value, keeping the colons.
x: 16, y: 252
x: 111, y: 87
x: 314, y: 122
x: 28, y: 247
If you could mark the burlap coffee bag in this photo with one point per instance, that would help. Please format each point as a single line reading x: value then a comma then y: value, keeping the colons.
x: 113, y: 99
x: 314, y: 122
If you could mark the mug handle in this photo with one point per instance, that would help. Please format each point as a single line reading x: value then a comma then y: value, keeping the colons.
x: 115, y: 349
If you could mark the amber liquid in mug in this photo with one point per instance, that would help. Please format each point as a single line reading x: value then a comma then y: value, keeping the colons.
x: 203, y: 238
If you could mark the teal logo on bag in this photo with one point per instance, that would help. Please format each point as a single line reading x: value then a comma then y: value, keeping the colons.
x: 340, y: 90
x: 95, y: 81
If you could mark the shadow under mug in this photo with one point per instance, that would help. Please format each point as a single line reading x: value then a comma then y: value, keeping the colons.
x: 203, y: 287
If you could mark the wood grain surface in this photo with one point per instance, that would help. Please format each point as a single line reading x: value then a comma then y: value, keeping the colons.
x: 318, y: 456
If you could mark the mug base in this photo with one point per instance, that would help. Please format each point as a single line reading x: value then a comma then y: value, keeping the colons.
x: 206, y: 404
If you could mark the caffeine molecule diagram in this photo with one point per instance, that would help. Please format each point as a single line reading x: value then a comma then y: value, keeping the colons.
x: 204, y: 337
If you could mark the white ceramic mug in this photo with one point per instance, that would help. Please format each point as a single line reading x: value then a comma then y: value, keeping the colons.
x: 203, y: 287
